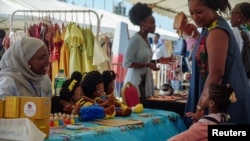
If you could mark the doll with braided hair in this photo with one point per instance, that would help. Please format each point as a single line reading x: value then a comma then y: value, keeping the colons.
x: 73, y: 101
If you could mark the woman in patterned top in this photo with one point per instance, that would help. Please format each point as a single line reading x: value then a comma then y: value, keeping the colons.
x: 216, y: 60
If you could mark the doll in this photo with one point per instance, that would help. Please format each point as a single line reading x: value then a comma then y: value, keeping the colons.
x: 73, y: 101
x: 109, y: 83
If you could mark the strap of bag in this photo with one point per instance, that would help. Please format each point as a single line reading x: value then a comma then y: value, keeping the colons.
x: 211, y: 119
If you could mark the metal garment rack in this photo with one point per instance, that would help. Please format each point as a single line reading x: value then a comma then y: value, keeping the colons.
x: 55, y: 11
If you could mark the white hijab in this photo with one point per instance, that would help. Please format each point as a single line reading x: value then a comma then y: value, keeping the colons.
x: 14, y: 63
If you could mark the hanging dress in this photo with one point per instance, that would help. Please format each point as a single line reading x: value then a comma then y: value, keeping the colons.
x: 88, y: 50
x: 64, y: 54
x: 57, y: 42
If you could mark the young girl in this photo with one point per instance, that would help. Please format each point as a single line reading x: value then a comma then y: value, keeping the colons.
x: 216, y: 99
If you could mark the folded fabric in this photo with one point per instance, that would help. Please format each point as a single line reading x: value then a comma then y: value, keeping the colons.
x: 21, y: 129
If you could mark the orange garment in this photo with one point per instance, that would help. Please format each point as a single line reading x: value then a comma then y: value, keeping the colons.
x: 64, y: 55
x: 57, y: 42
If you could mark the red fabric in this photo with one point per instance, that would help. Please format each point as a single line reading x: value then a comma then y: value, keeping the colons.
x: 130, y: 95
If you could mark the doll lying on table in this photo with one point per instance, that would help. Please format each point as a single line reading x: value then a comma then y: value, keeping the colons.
x: 73, y: 101
x: 95, y: 86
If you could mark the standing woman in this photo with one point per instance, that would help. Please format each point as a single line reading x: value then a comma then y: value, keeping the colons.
x: 138, y: 54
x: 23, y: 69
x: 240, y: 20
x: 216, y: 60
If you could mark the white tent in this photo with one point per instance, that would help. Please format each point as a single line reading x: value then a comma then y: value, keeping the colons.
x: 171, y: 7
x: 108, y: 20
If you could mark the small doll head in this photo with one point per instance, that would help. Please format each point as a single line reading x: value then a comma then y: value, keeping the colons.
x: 92, y: 84
x: 109, y: 81
x: 71, y: 90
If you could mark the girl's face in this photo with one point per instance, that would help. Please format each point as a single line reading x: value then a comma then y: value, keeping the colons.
x: 111, y: 87
x: 200, y: 13
x: 67, y: 106
x: 99, y: 90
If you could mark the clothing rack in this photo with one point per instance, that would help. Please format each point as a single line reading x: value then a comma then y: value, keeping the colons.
x: 55, y: 11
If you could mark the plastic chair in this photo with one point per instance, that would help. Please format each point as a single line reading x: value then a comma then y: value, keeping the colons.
x: 130, y: 95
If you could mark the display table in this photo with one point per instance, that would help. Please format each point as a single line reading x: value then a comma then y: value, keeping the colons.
x: 168, y: 103
x: 150, y: 125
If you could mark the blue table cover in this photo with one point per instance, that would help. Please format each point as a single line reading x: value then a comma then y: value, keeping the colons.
x: 158, y: 126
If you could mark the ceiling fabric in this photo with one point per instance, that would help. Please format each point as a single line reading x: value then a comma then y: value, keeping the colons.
x: 170, y: 8
x: 108, y: 22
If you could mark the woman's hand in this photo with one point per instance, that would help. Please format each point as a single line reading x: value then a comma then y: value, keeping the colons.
x: 167, y: 60
x: 153, y: 66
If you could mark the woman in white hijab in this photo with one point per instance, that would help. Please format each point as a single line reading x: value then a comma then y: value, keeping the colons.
x: 23, y: 69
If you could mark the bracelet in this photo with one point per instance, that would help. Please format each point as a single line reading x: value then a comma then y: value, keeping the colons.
x: 198, y: 107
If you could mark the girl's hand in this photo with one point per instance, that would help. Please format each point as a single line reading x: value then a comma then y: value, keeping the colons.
x: 195, y: 116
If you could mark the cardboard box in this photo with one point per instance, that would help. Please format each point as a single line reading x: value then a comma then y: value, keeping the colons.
x: 12, y: 104
x: 37, y: 109
x: 2, y: 108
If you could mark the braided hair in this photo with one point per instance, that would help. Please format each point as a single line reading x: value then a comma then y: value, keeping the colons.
x: 90, y: 80
x: 220, y: 94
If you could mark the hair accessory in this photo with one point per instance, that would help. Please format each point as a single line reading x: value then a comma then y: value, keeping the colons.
x: 72, y: 84
x: 232, y: 98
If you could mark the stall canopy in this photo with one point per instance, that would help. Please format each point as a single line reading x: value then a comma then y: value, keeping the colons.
x: 108, y: 20
x: 171, y: 7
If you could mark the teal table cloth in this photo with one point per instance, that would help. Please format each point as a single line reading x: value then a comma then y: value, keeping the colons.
x: 158, y: 125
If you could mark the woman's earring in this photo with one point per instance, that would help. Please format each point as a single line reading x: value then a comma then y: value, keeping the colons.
x: 29, y: 66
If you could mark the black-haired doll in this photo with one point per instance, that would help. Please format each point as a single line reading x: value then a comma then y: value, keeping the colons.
x: 93, y: 87
x: 73, y: 101
x: 109, y: 77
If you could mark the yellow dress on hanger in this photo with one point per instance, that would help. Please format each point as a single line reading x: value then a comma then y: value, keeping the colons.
x: 87, y: 50
x: 76, y: 42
